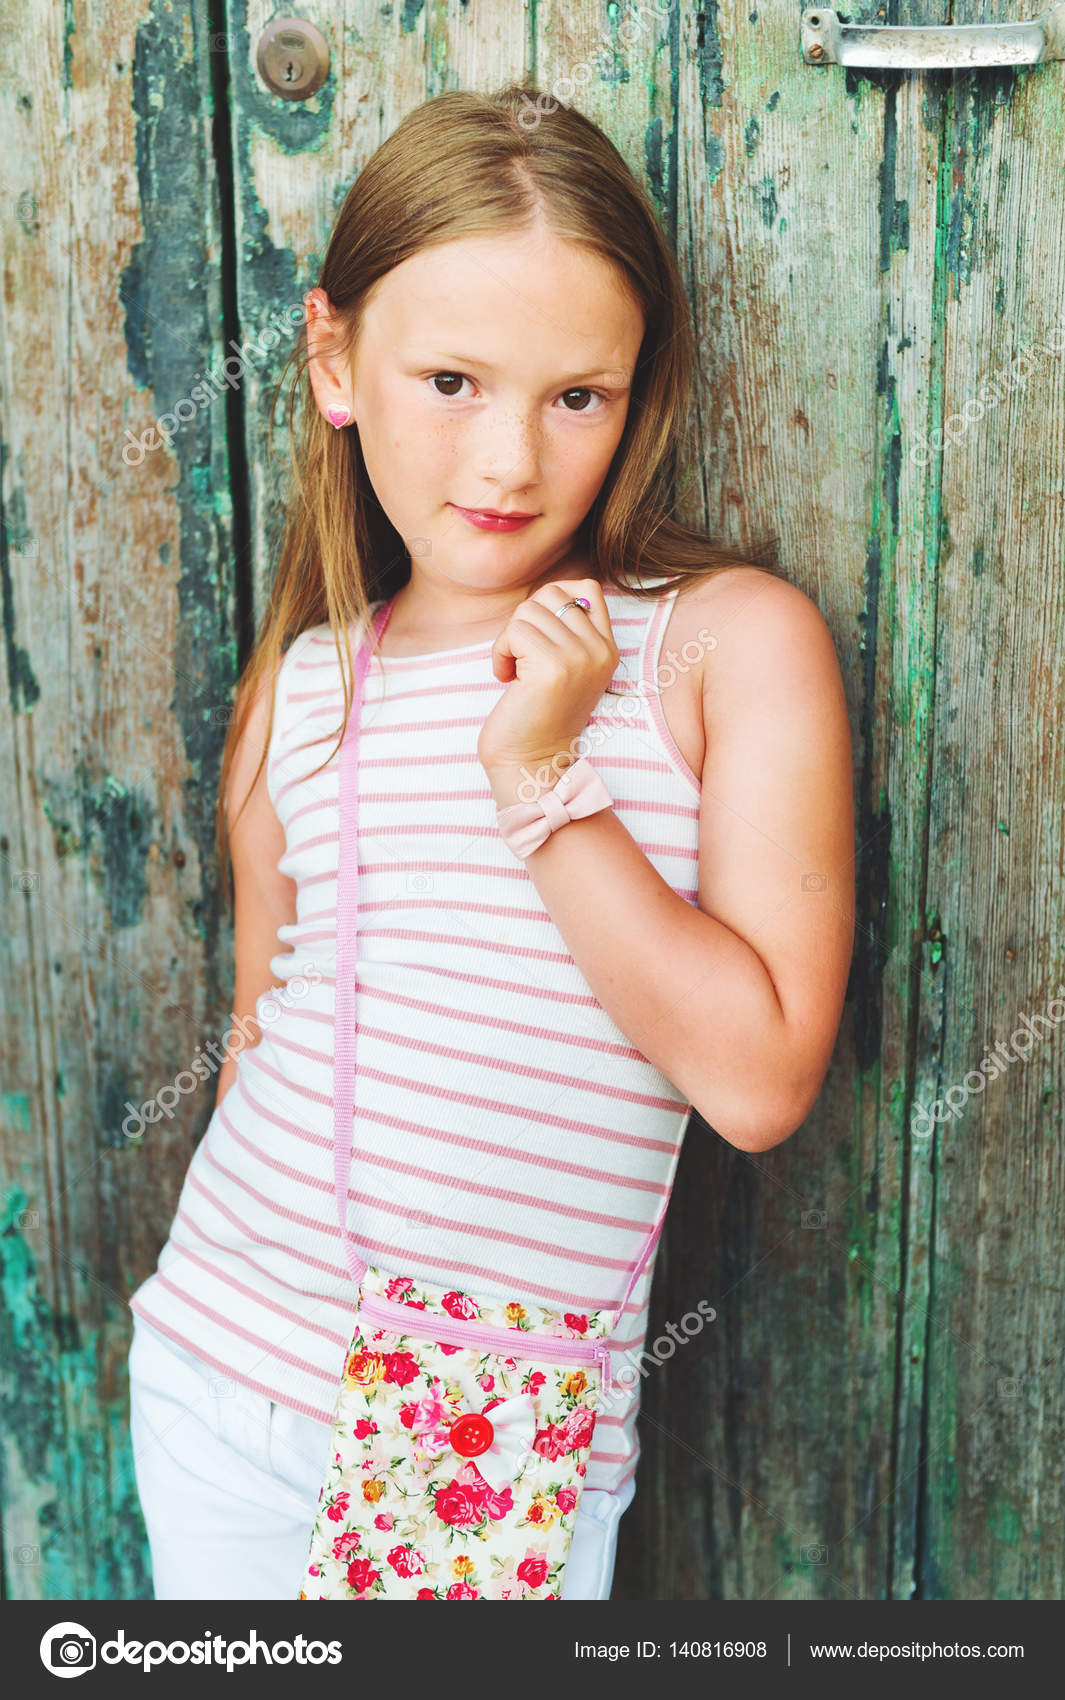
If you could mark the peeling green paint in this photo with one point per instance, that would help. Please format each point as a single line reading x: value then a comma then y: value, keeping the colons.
x: 932, y: 106
x: 653, y: 160
x: 67, y: 1461
x: 892, y: 454
x: 714, y: 155
x: 28, y: 1399
x: 894, y: 214
x: 22, y: 687
x: 1004, y: 1521
x: 973, y: 103
x: 708, y: 54
x: 16, y: 1111
x: 873, y: 834
x: 112, y: 827
x: 750, y: 135
x: 171, y: 294
x: 765, y: 195
x: 69, y: 27
x: 898, y: 1101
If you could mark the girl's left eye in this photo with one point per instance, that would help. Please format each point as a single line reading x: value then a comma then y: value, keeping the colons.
x: 460, y: 377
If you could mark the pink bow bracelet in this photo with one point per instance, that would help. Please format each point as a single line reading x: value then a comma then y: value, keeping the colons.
x: 579, y: 792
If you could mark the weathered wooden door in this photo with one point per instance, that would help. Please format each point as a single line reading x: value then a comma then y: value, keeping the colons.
x: 877, y: 1408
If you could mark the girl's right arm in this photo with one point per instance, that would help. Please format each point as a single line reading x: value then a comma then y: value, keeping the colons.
x: 263, y: 898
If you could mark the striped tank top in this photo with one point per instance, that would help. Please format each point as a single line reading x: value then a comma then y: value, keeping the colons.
x: 507, y: 1135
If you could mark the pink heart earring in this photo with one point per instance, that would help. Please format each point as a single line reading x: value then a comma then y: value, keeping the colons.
x: 338, y: 416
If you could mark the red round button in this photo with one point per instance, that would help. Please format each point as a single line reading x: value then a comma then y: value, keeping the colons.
x: 470, y: 1435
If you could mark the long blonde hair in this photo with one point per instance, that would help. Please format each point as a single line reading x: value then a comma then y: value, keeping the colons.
x: 460, y: 165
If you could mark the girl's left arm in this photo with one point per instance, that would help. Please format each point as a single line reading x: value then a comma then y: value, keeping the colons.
x: 738, y: 1000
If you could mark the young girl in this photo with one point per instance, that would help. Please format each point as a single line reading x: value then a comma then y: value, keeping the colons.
x: 499, y: 358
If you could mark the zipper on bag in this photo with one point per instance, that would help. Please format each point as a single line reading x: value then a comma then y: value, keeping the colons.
x: 500, y: 1340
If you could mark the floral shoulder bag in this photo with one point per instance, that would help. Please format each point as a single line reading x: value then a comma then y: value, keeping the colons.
x: 463, y: 1424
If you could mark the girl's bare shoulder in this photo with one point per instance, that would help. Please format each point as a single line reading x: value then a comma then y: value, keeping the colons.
x: 738, y: 619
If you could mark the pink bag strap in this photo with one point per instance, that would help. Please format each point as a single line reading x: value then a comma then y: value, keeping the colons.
x: 347, y: 926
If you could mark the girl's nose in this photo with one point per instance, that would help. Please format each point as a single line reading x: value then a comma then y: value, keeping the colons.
x: 511, y: 450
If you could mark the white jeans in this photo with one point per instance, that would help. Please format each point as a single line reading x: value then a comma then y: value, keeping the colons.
x: 228, y: 1483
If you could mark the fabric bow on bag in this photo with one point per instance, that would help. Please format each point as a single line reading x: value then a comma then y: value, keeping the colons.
x: 514, y: 1430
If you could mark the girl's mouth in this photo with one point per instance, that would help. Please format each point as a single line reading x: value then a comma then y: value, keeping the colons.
x: 487, y: 521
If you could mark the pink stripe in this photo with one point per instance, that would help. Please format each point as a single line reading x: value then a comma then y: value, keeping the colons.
x: 316, y: 807
x: 311, y: 926
x: 483, y: 794
x: 403, y: 1256
x: 536, y: 1159
x: 230, y: 1326
x: 474, y: 829
x: 290, y: 1250
x: 524, y: 1111
x: 646, y: 764
x: 388, y: 1207
x: 581, y: 999
x: 260, y: 1298
x: 227, y: 1369
x: 188, y: 1221
x: 629, y: 1473
x: 444, y: 658
x: 458, y: 1183
x: 604, y: 1047
x: 460, y: 906
x: 329, y: 698
x: 478, y: 1059
x: 471, y: 649
x: 262, y: 1113
x: 418, y: 729
x: 494, y: 945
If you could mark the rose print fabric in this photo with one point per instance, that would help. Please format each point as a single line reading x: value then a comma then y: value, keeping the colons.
x: 403, y: 1514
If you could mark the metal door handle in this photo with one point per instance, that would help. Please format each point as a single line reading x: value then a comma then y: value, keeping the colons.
x: 932, y: 47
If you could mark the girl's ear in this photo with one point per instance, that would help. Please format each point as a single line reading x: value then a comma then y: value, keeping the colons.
x: 329, y: 375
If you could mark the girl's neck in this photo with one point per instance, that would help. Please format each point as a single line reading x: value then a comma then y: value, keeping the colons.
x: 422, y: 620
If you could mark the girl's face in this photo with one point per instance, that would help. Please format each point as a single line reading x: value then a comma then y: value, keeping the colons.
x: 490, y: 373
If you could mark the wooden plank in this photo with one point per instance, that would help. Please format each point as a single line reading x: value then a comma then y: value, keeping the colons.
x: 118, y: 665
x: 993, y: 1487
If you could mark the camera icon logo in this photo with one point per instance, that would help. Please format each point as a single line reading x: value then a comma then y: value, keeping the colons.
x: 68, y: 1649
